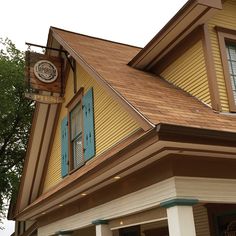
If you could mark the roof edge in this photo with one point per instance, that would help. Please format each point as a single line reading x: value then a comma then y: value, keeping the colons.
x: 195, y: 134
x: 143, y: 121
x: 94, y: 37
x: 179, y: 16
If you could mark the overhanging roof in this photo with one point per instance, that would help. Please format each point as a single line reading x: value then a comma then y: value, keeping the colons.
x: 150, y: 97
x: 191, y: 15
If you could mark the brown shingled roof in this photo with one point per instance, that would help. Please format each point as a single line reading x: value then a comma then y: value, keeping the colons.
x: 156, y: 99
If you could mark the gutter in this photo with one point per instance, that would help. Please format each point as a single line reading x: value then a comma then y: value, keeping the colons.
x: 178, y: 133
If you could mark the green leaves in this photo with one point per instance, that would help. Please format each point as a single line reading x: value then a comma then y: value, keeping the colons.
x: 15, y: 118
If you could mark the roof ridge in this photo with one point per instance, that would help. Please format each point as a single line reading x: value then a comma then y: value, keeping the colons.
x: 97, y: 38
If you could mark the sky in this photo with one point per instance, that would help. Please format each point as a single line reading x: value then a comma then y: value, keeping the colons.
x: 133, y: 22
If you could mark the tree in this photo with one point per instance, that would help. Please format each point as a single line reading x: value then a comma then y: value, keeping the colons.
x: 15, y: 120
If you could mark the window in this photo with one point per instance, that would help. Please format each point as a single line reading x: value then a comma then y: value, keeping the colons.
x: 77, y: 132
x: 76, y: 135
x: 231, y: 58
x: 227, y: 43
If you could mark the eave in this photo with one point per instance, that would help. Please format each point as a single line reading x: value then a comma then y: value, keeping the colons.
x: 147, y: 148
x: 190, y: 16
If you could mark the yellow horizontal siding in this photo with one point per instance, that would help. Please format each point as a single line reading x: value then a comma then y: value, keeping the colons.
x: 225, y: 18
x: 53, y: 175
x: 189, y: 73
x: 112, y: 123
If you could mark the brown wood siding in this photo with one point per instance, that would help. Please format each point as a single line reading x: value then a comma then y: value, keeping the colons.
x: 188, y: 72
x: 227, y: 19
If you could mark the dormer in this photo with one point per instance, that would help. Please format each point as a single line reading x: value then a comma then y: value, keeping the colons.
x: 195, y: 51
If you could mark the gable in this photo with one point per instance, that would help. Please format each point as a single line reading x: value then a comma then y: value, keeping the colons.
x: 112, y: 123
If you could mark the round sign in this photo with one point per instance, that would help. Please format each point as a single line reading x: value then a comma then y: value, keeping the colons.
x: 45, y: 71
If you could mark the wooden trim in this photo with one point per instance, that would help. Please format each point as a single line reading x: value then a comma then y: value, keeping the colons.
x: 29, y: 144
x: 210, y: 67
x: 30, y: 230
x: 141, y: 119
x: 45, y: 168
x: 75, y: 76
x: 38, y: 155
x: 179, y: 16
x: 169, y: 132
x: 75, y: 100
x: 156, y: 58
x: 147, y: 216
x: 226, y: 35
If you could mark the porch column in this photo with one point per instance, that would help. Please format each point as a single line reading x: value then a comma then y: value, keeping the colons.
x: 180, y: 216
x: 102, y: 228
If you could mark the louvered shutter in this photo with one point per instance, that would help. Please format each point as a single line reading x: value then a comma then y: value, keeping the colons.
x: 64, y: 147
x: 88, y: 120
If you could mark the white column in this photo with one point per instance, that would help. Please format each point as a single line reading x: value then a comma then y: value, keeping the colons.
x: 102, y: 227
x: 181, y: 221
x: 103, y: 230
x: 180, y: 216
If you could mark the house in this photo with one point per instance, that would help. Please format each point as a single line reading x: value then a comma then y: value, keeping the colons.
x: 144, y: 143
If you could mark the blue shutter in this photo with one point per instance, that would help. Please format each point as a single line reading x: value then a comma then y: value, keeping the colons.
x: 64, y: 147
x: 88, y: 120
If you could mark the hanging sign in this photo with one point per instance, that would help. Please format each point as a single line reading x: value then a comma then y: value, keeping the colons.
x: 44, y: 98
x: 44, y: 73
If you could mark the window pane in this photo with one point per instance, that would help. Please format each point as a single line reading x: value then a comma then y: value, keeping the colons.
x: 230, y: 67
x: 78, y: 151
x: 232, y: 52
x: 227, y: 51
x: 233, y: 63
x: 231, y: 55
x: 76, y: 121
x: 233, y: 82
